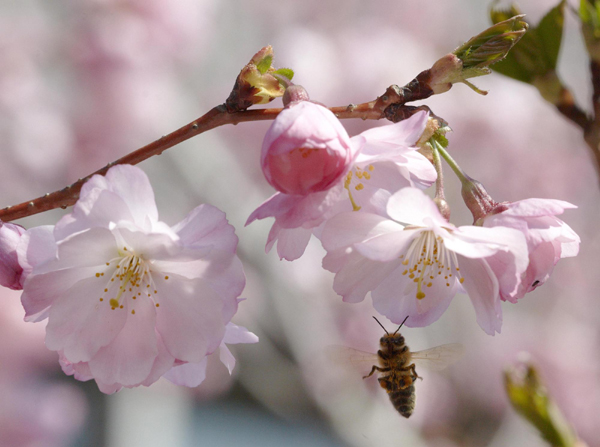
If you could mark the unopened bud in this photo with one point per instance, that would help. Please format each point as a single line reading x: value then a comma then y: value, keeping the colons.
x: 477, y: 199
x: 530, y: 398
x: 443, y: 207
x: 446, y: 71
x: 294, y: 93
x: 475, y: 56
x: 256, y: 83
x: 10, y: 269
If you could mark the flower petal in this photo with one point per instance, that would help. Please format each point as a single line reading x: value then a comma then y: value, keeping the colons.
x: 188, y: 374
x: 189, y: 318
x: 412, y: 206
x: 129, y: 358
x: 403, y: 133
x: 79, y: 324
x: 133, y: 186
x: 207, y: 226
x: 482, y: 287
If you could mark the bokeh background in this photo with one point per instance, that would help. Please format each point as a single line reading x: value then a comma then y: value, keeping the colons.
x: 83, y: 82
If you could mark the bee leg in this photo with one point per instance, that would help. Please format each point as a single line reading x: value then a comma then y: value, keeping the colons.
x: 412, y: 368
x: 376, y: 368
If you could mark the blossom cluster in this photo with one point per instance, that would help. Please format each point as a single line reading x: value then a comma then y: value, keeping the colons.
x: 130, y: 299
x: 383, y: 235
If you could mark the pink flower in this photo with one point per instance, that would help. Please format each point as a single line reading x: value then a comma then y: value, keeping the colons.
x: 548, y: 238
x: 414, y: 263
x: 385, y: 161
x: 10, y: 270
x: 126, y: 296
x: 305, y: 150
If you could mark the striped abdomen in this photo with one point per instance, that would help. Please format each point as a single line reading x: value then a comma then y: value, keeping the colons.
x: 403, y: 400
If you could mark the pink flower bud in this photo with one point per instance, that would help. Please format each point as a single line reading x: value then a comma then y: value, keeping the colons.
x: 305, y: 150
x: 10, y: 270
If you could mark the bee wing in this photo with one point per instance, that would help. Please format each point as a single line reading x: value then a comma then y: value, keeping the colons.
x: 345, y: 356
x: 439, y: 357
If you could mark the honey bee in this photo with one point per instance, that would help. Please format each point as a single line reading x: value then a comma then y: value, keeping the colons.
x: 397, y: 365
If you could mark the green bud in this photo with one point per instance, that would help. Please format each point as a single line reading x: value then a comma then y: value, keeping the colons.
x: 530, y: 399
x: 257, y: 83
x: 473, y: 58
x: 491, y: 45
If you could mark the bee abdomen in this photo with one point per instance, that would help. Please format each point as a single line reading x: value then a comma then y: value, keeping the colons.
x: 404, y: 400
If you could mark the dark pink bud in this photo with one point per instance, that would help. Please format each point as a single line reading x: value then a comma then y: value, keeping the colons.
x: 305, y: 150
x: 10, y: 270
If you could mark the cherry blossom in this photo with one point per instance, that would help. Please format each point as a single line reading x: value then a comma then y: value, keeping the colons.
x: 305, y: 150
x: 384, y: 161
x: 414, y: 263
x: 126, y: 296
x: 10, y: 270
x: 548, y: 238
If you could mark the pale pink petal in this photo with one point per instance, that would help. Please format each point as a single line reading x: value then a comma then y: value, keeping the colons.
x: 99, y: 209
x: 36, y: 247
x: 356, y: 275
x: 507, y: 273
x: 163, y: 362
x: 481, y: 242
x: 482, y: 287
x: 79, y: 324
x: 133, y: 186
x: 207, y: 226
x: 53, y: 278
x: 129, y: 358
x: 388, y: 246
x: 275, y: 205
x: 189, y: 318
x: 81, y: 371
x: 292, y: 243
x: 42, y: 290
x: 235, y: 334
x: 411, y: 206
x: 541, y: 265
x: 537, y: 208
x: 403, y: 133
x: 396, y: 298
x: 188, y: 374
x: 346, y: 229
x: 226, y: 358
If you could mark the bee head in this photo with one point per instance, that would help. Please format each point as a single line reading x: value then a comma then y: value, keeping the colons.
x: 391, y: 339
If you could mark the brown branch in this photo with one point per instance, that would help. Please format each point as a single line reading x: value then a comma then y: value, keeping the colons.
x: 216, y: 117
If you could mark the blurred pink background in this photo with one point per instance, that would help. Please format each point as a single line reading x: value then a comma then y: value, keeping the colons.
x: 83, y: 82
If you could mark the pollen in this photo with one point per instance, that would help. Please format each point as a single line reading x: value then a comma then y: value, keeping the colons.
x: 130, y: 271
x: 133, y: 312
x: 430, y: 261
x: 166, y: 277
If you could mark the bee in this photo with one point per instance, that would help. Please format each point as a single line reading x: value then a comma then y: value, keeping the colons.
x: 397, y: 365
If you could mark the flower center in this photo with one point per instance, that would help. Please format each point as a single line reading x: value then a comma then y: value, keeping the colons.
x: 429, y: 261
x: 354, y: 180
x: 131, y: 279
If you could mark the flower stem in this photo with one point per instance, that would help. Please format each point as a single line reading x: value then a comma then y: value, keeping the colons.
x: 457, y: 170
x: 437, y: 164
